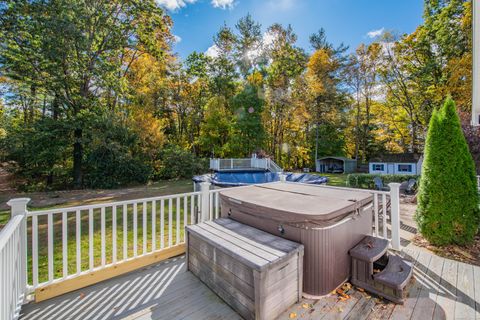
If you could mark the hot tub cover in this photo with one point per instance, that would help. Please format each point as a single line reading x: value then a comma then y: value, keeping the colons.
x: 295, y: 203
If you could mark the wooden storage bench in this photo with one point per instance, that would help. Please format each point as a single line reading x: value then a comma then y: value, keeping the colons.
x: 258, y: 274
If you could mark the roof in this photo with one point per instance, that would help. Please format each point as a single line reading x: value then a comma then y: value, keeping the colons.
x: 337, y: 158
x: 398, y: 158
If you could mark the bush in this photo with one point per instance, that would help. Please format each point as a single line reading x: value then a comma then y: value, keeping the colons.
x: 365, y: 180
x: 177, y: 163
x: 113, y: 167
x: 448, y: 204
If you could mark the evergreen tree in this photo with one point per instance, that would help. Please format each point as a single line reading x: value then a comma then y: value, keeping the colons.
x: 448, y: 204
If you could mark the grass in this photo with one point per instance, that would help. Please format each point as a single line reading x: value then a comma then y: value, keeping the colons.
x: 67, y: 200
x: 335, y: 179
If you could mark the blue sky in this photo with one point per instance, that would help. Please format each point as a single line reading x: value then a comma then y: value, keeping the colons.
x: 347, y: 21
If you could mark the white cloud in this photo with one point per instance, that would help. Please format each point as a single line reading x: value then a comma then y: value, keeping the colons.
x: 177, y: 39
x: 281, y: 4
x: 223, y: 4
x: 174, y: 4
x: 375, y: 33
x: 212, y: 52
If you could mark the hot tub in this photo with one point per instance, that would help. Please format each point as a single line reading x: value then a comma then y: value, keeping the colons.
x: 327, y: 221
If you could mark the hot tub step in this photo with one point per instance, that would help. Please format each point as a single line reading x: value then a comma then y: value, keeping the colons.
x: 396, y: 274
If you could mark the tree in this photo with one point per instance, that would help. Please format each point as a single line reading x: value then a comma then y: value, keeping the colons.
x: 448, y: 203
x: 79, y: 52
x: 249, y: 133
x: 215, y: 132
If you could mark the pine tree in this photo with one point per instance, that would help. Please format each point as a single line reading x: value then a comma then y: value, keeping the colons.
x: 448, y: 203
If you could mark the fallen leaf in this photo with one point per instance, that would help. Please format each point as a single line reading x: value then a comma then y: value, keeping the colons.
x: 340, y: 310
x: 305, y: 306
x: 341, y: 293
x: 311, y: 310
x: 82, y: 295
x: 293, y: 315
x: 360, y: 289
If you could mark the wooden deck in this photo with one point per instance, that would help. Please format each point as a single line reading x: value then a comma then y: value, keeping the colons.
x: 442, y: 289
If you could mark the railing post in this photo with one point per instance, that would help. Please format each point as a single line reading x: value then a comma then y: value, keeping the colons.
x: 395, y: 214
x: 205, y: 203
x: 19, y: 208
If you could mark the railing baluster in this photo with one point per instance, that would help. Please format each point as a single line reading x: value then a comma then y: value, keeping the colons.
x: 185, y: 215
x: 210, y: 210
x: 178, y: 222
x: 154, y: 225
x: 35, y: 251
x: 125, y: 232
x: 135, y: 229
x: 192, y: 208
x: 217, y: 211
x: 78, y: 233
x: 102, y: 234
x: 90, y: 239
x: 144, y: 227
x: 375, y: 213
x: 64, y: 244
x: 114, y: 234
x: 384, y: 215
x: 162, y: 224
x: 50, y: 247
x: 170, y: 220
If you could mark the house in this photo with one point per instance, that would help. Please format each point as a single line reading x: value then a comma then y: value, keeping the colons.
x: 336, y: 165
x: 396, y: 163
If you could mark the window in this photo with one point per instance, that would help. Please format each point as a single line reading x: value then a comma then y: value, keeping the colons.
x: 378, y: 167
x: 404, y: 168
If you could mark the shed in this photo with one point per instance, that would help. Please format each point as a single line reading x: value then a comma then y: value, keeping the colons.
x: 336, y: 165
x: 396, y: 163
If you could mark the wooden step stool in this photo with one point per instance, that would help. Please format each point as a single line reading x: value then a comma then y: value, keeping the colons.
x: 258, y: 274
x: 395, y: 273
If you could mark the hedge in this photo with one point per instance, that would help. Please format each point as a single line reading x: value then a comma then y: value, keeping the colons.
x: 365, y: 180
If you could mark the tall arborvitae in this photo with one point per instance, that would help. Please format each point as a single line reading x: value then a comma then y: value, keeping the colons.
x: 448, y: 202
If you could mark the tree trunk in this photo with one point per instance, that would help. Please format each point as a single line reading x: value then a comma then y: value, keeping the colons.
x: 77, y: 159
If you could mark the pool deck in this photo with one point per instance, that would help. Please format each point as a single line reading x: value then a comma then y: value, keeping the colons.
x: 442, y: 289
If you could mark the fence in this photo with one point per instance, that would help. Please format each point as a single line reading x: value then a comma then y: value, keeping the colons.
x: 42, y: 248
x: 244, y: 164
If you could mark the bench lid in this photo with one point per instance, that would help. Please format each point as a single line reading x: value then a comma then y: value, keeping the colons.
x: 254, y: 248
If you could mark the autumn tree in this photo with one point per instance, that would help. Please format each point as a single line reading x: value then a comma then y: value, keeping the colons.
x: 79, y: 53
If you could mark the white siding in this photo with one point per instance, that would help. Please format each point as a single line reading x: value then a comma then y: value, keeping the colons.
x: 393, y: 168
x: 373, y: 168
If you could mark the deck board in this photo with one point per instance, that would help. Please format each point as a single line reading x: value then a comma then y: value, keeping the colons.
x: 442, y: 289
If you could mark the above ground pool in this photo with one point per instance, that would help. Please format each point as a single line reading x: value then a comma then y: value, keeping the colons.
x: 243, y: 178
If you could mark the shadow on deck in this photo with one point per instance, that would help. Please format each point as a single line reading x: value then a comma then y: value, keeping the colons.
x: 442, y: 289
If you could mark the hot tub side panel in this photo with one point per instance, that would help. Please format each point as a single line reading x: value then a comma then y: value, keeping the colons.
x: 326, y: 260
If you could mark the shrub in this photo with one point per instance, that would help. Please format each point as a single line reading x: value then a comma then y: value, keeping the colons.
x: 113, y: 167
x: 365, y: 180
x: 448, y: 207
x: 177, y: 163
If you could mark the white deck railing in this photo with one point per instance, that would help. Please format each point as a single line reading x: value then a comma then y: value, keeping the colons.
x: 244, y: 164
x: 13, y: 256
x: 38, y: 248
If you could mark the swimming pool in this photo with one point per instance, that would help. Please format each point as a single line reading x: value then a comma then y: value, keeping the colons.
x: 243, y: 178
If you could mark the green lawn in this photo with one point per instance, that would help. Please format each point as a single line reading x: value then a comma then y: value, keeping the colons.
x: 335, y: 179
